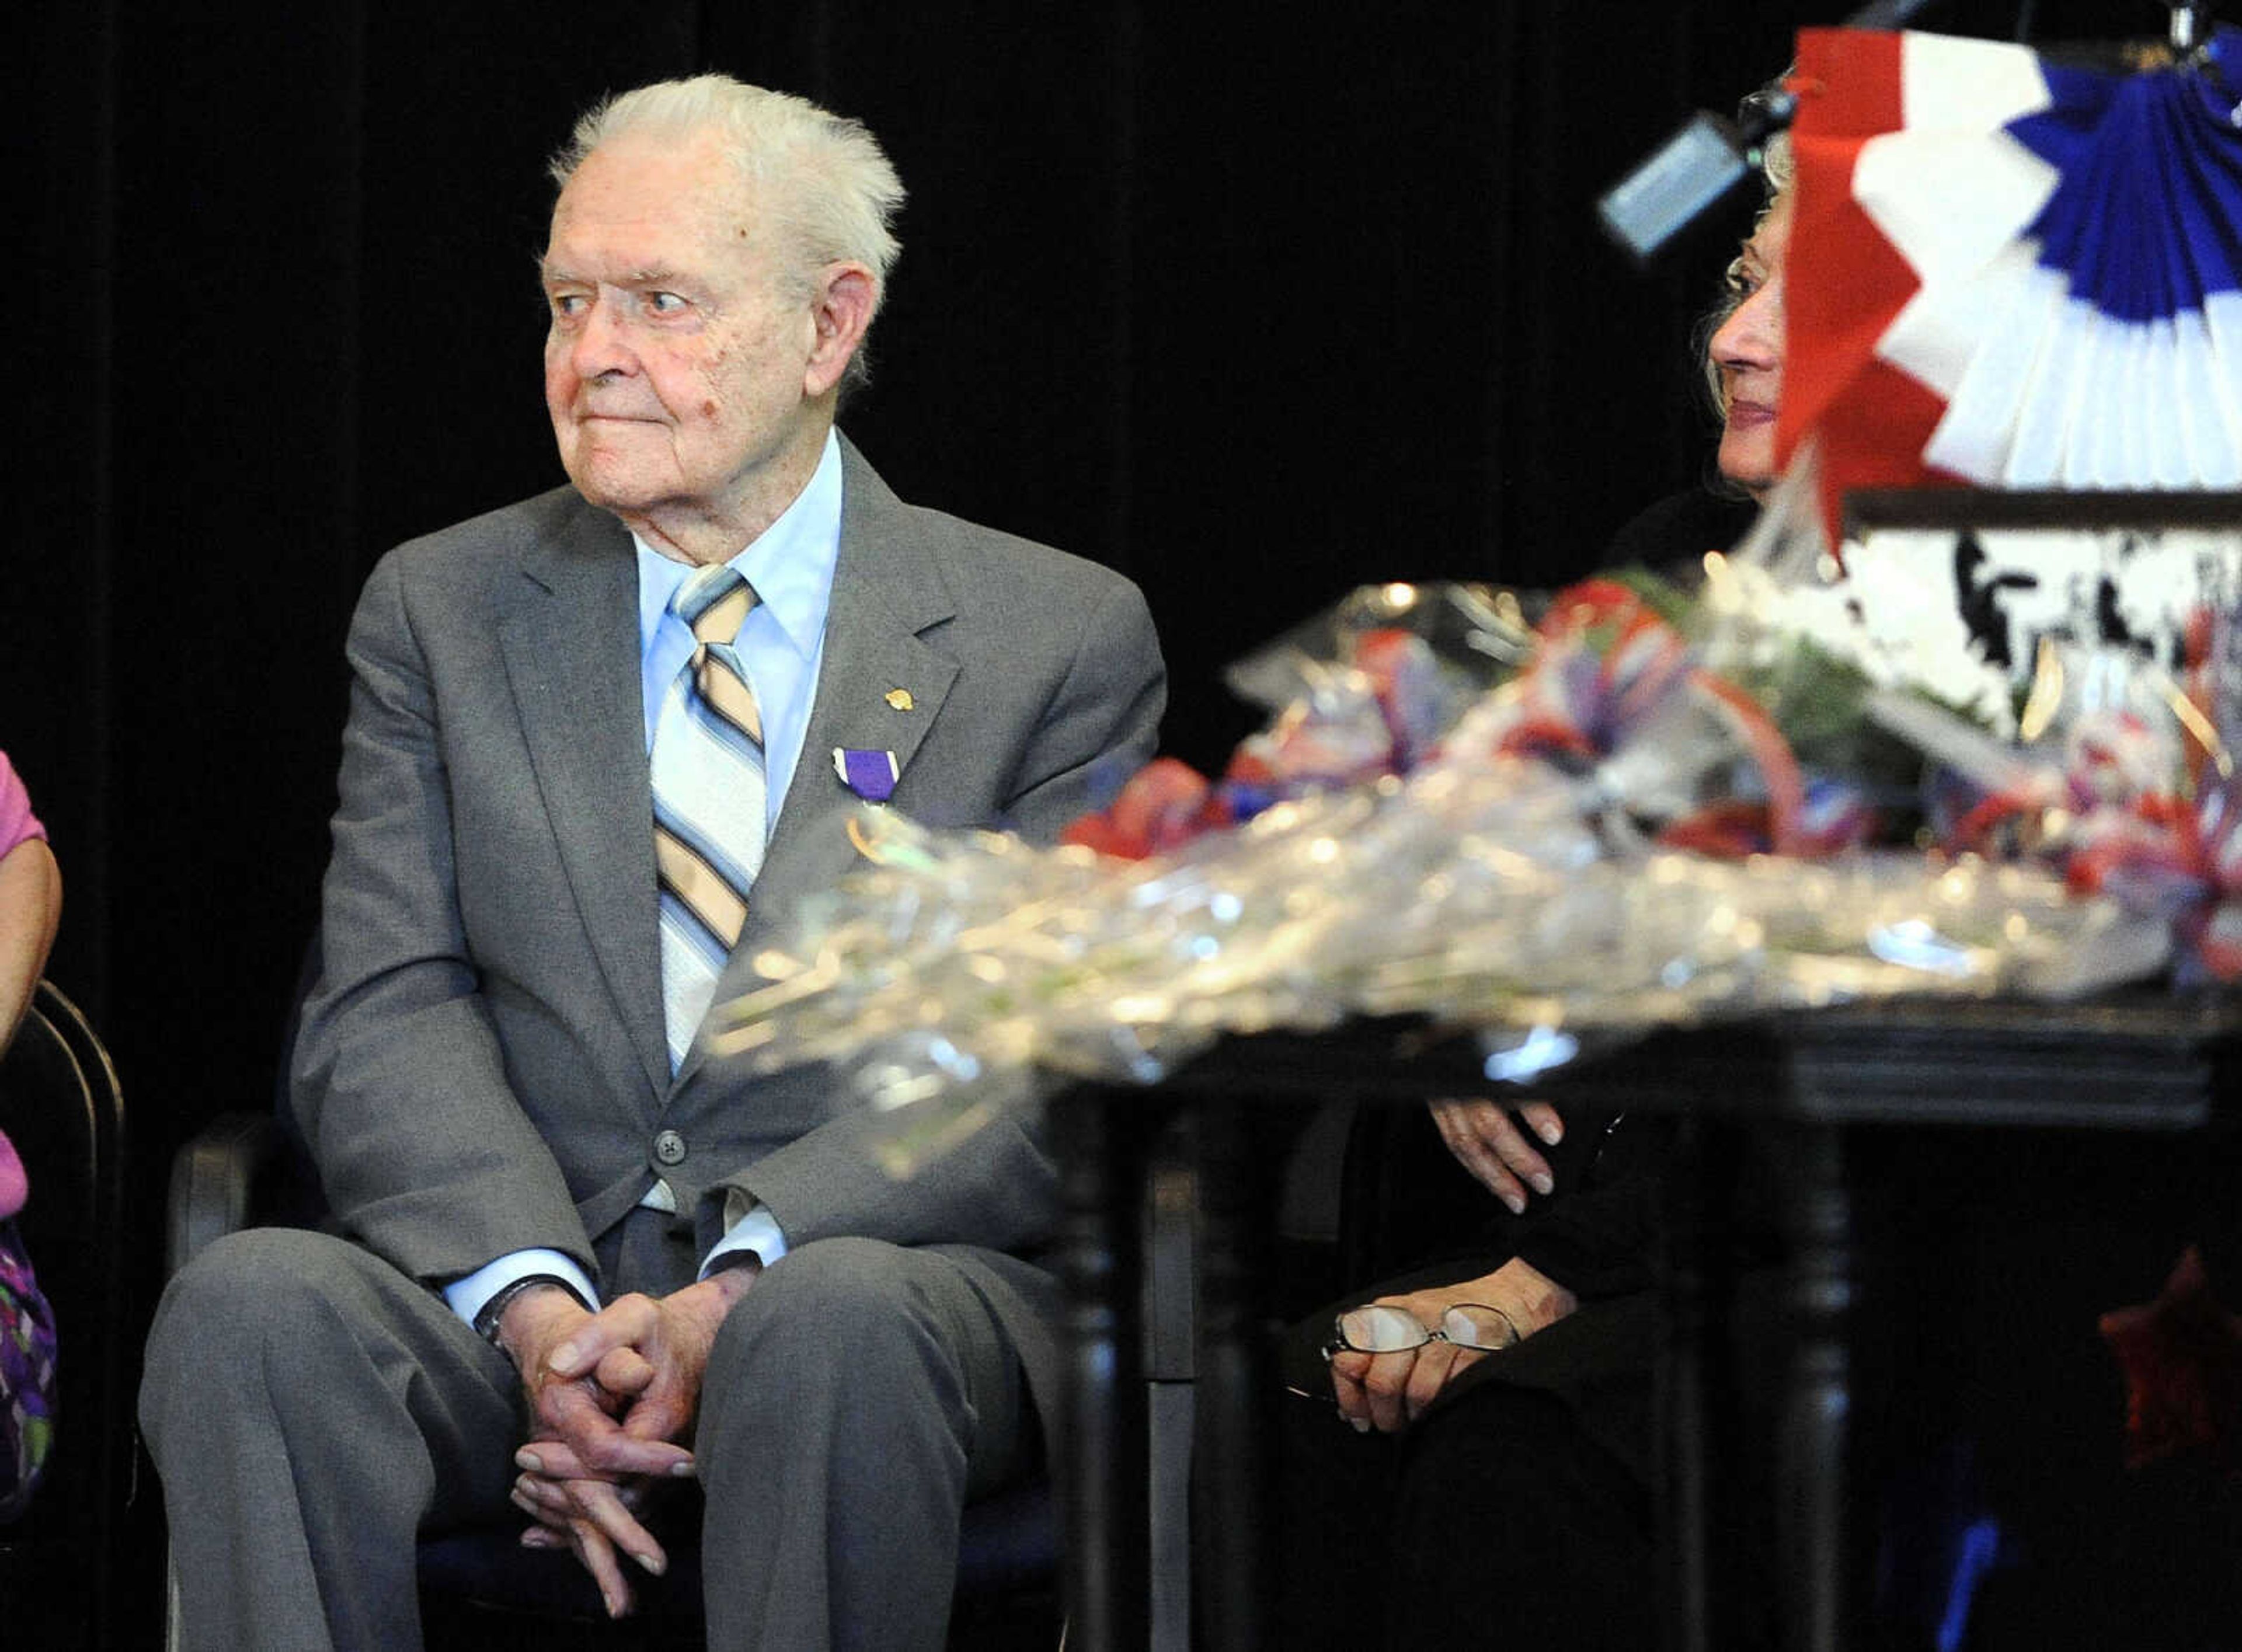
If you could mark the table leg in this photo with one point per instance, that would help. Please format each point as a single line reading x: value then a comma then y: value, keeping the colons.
x: 1100, y: 1139
x: 1686, y: 1593
x: 1818, y: 1392
x: 1237, y: 1387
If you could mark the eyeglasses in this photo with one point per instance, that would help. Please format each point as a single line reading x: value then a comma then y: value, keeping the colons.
x: 1379, y: 1327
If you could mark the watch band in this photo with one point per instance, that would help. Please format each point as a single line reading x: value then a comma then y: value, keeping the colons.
x: 486, y: 1317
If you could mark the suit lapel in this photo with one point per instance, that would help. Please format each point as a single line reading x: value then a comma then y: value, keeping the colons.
x: 570, y: 641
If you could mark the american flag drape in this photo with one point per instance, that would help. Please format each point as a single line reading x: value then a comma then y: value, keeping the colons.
x: 2009, y: 272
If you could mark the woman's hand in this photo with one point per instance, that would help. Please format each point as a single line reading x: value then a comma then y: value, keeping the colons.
x: 1500, y: 1157
x: 1389, y: 1391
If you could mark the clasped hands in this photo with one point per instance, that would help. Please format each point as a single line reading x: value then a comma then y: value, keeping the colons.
x: 611, y: 1400
x: 1388, y: 1390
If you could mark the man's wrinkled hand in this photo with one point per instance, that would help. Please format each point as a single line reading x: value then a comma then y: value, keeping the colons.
x: 569, y: 1409
x: 595, y: 1520
x: 572, y: 1484
x: 647, y: 1355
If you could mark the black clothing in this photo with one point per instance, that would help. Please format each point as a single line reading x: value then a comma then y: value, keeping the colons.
x: 1519, y: 1509
x: 1673, y: 535
x: 1530, y: 1486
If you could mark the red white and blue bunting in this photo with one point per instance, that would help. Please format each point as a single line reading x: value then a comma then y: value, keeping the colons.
x: 2009, y: 272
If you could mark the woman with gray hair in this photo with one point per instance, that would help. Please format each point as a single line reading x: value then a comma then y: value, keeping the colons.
x: 1742, y: 355
x: 1497, y: 1476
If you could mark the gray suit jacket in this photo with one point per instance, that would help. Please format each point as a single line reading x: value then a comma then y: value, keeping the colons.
x: 481, y: 1066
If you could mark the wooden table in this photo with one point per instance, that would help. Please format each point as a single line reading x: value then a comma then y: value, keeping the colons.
x: 2144, y: 1063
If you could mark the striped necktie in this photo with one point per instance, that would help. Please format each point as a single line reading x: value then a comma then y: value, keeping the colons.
x: 708, y: 790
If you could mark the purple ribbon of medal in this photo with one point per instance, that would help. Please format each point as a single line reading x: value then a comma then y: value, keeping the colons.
x: 871, y: 775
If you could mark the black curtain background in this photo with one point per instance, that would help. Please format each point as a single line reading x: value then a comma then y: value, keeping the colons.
x: 1254, y: 303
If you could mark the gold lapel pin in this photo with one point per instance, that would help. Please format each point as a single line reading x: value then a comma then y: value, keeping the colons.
x: 900, y: 699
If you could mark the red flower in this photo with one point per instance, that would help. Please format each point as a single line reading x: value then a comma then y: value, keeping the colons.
x: 1165, y: 804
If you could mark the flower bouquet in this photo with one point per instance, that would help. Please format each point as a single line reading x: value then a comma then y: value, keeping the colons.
x: 2121, y: 778
x: 1549, y: 820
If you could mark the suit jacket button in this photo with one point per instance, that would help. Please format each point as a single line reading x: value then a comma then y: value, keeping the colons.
x: 669, y: 1148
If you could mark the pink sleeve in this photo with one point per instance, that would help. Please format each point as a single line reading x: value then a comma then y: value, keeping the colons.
x: 13, y: 1188
x: 17, y: 823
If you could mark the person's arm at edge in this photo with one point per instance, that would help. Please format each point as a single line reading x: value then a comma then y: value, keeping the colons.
x: 30, y: 907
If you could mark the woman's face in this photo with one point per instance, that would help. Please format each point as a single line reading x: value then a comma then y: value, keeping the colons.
x: 1748, y: 350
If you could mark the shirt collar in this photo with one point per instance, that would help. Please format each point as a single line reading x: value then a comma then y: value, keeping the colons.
x: 790, y: 563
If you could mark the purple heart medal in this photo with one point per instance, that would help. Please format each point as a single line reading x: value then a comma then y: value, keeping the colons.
x: 871, y: 775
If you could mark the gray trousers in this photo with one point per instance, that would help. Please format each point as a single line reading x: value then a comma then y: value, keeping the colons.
x: 311, y: 1411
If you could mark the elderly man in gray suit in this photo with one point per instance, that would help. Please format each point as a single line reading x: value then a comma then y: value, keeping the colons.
x: 575, y: 1259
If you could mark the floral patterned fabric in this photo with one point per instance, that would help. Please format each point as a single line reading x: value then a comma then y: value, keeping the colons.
x: 27, y: 1375
x: 27, y: 1324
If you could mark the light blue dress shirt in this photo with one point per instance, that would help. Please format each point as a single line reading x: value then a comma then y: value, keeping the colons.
x: 791, y: 565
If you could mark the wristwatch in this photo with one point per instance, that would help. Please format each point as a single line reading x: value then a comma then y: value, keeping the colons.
x: 486, y: 1317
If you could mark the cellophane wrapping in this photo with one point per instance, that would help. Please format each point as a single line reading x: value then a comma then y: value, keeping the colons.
x: 1553, y: 820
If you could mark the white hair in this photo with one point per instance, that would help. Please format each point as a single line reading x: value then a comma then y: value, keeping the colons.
x: 1777, y: 165
x: 818, y: 181
x: 1778, y: 169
